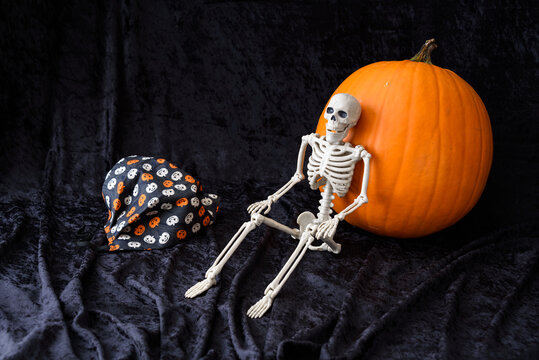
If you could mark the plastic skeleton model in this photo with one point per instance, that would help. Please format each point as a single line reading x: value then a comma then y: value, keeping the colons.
x: 331, y: 164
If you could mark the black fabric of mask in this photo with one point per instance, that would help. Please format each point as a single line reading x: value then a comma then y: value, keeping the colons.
x: 153, y: 204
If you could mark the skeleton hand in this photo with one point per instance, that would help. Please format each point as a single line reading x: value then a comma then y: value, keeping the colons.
x: 327, y: 229
x: 258, y: 207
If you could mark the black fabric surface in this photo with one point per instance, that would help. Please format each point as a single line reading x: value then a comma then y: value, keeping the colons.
x: 225, y: 90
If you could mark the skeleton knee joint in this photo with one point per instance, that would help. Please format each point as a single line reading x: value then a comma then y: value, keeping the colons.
x: 257, y: 219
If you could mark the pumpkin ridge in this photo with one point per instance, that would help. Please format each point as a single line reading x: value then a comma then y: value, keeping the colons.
x: 436, y: 182
x: 378, y: 114
x: 479, y: 167
x: 453, y: 216
x: 405, y: 150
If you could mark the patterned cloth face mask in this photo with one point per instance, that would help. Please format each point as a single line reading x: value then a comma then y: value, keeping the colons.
x: 153, y: 204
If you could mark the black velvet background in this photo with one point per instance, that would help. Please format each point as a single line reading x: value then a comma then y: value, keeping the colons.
x: 225, y: 89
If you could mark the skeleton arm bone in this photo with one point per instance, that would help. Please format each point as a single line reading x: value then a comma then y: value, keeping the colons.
x: 265, y: 205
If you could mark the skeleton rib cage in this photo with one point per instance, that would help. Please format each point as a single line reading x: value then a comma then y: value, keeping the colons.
x: 332, y: 163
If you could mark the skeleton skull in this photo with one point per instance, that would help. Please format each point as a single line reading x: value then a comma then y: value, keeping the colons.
x: 342, y: 114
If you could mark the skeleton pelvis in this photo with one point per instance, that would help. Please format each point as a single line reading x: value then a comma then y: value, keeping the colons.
x: 305, y: 219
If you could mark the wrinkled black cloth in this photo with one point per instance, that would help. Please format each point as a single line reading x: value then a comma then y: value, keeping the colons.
x: 228, y: 88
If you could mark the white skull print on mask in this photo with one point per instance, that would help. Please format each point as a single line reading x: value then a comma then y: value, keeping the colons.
x: 152, y: 213
x: 189, y: 218
x: 147, y: 167
x: 128, y: 199
x: 206, y: 201
x: 166, y: 206
x: 180, y: 187
x: 152, y: 202
x: 107, y: 200
x: 149, y: 239
x: 119, y: 170
x: 196, y: 227
x: 162, y: 172
x: 194, y: 188
x: 135, y: 190
x: 172, y: 220
x: 150, y: 188
x: 133, y: 244
x: 331, y: 164
x: 124, y: 237
x: 195, y: 202
x: 131, y: 174
x: 163, y: 239
x: 168, y: 192
x: 176, y: 175
x: 111, y: 184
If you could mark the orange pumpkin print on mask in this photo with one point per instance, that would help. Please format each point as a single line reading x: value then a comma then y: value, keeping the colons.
x: 131, y: 211
x: 141, y: 200
x: 201, y: 211
x: 182, y: 202
x: 167, y: 183
x: 155, y: 222
x: 121, y: 187
x: 173, y: 166
x: 133, y: 218
x: 140, y: 230
x: 114, y: 247
x: 206, y: 220
x: 189, y: 178
x: 181, y: 234
x: 146, y: 177
x: 107, y: 229
x: 132, y: 162
x: 160, y: 161
x: 116, y: 203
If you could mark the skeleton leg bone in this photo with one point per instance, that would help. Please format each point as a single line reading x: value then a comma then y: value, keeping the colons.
x: 260, y: 307
x: 230, y: 248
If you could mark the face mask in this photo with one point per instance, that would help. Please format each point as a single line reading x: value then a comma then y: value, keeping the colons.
x: 153, y: 205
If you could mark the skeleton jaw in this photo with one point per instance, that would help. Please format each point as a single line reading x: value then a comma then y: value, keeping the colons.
x: 335, y: 136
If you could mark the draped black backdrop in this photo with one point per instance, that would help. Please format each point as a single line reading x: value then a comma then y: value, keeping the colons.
x: 225, y: 89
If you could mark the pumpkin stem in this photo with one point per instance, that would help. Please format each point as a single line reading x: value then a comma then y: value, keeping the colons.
x: 424, y: 54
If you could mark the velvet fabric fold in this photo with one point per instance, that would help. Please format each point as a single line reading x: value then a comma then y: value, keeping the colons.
x: 226, y: 89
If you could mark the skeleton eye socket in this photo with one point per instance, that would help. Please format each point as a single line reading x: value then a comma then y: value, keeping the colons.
x: 343, y: 114
x: 330, y: 110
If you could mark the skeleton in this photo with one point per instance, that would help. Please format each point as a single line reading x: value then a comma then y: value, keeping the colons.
x: 332, y: 164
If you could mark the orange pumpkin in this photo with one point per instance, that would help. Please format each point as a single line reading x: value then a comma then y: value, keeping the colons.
x: 167, y: 183
x: 141, y: 199
x: 132, y: 162
x: 181, y: 234
x: 146, y: 177
x: 121, y: 187
x: 139, y: 230
x: 431, y: 143
x: 189, y: 178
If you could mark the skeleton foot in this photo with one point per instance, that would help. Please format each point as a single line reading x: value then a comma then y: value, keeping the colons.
x: 260, y: 308
x: 200, y: 287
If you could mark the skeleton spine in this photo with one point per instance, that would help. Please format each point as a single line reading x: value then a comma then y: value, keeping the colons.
x: 325, y: 203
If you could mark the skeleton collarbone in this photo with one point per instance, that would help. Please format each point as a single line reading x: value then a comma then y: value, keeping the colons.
x: 331, y: 163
